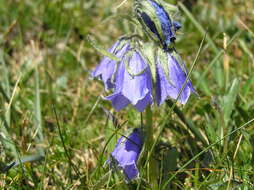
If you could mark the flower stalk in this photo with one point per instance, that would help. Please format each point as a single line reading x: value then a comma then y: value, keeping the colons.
x: 152, y: 165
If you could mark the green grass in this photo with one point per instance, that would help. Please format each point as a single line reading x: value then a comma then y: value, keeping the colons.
x: 54, y: 132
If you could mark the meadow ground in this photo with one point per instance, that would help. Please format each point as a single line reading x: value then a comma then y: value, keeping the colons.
x: 51, y: 110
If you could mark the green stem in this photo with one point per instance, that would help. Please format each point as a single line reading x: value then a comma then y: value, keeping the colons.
x: 151, y: 166
x: 149, y: 128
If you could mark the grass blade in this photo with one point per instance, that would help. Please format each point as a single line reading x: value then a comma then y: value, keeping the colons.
x: 216, y: 58
x: 198, y: 26
x: 205, y: 150
x: 37, y: 111
x: 4, y: 125
x: 229, y: 100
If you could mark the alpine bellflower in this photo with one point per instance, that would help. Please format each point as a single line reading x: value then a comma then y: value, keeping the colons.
x: 170, y: 78
x: 156, y: 21
x: 126, y: 153
x: 133, y: 83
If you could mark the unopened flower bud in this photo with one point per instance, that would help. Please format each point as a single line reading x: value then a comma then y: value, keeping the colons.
x: 156, y: 21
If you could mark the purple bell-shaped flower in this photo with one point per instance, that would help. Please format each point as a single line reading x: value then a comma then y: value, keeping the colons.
x: 170, y: 78
x: 126, y: 153
x: 133, y: 83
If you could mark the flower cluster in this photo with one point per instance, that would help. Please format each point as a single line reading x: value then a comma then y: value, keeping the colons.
x: 133, y: 77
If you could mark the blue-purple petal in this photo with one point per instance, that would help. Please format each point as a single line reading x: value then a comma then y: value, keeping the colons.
x: 134, y: 85
x: 171, y: 86
x: 126, y: 154
x: 131, y: 171
x: 165, y: 22
x: 151, y: 25
x: 107, y: 66
x: 118, y: 101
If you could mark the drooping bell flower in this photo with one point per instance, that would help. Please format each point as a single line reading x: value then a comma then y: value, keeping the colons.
x: 156, y: 21
x: 107, y: 67
x: 133, y: 83
x: 126, y: 153
x: 171, y: 74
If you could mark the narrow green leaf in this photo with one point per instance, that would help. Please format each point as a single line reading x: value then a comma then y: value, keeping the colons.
x: 219, y: 75
x: 7, y: 140
x: 229, y: 100
x: 37, y: 111
x: 246, y: 49
x: 37, y: 107
x: 247, y: 86
x: 170, y: 160
x: 5, y: 123
x: 216, y: 58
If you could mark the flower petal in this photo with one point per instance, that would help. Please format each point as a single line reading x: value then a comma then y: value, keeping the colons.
x: 106, y: 67
x: 143, y: 103
x: 135, y: 88
x: 118, y: 101
x: 131, y: 171
x: 126, y: 154
x: 165, y: 22
x: 132, y: 85
x: 173, y: 86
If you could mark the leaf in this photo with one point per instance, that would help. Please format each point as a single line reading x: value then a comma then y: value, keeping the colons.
x: 37, y: 110
x: 229, y: 100
x: 247, y: 86
x: 170, y: 160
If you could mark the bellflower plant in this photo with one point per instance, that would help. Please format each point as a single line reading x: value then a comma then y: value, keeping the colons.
x: 141, y: 71
x: 126, y: 153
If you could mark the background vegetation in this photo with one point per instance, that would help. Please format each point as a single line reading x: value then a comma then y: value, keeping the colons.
x: 51, y: 111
